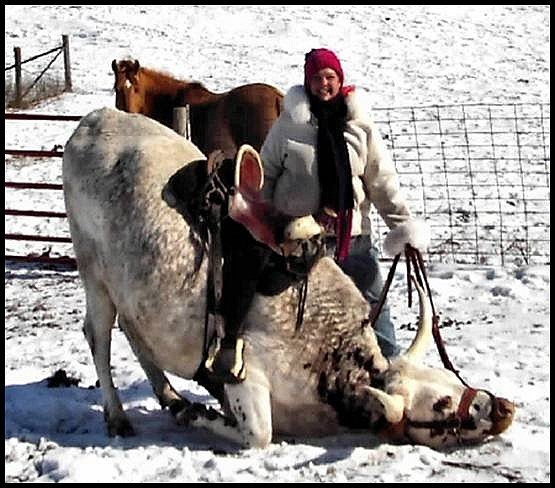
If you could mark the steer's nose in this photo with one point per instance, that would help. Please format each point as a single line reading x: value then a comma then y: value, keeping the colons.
x: 502, y: 415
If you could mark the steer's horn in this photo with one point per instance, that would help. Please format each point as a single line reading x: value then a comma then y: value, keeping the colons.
x: 393, y: 405
x: 424, y: 332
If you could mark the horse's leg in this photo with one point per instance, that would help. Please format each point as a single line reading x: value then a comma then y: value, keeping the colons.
x: 164, y: 391
x: 99, y: 319
x: 250, y: 422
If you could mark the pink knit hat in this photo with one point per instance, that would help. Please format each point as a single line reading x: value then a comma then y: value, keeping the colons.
x: 318, y: 59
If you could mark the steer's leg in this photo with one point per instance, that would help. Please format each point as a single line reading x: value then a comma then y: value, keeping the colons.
x: 167, y: 395
x: 251, y: 422
x: 99, y: 319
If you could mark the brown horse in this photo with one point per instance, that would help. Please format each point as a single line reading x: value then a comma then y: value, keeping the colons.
x: 224, y: 121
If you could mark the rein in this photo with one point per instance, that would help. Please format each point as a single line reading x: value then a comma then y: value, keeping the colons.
x: 414, y: 258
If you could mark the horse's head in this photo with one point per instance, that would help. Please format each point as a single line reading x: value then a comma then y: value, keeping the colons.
x: 126, y: 85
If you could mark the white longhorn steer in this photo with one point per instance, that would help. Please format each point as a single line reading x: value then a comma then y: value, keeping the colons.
x: 136, y: 259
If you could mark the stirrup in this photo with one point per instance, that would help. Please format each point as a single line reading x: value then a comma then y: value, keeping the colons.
x: 226, y: 364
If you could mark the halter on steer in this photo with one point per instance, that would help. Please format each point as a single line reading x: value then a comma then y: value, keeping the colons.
x: 453, y: 424
x: 462, y: 417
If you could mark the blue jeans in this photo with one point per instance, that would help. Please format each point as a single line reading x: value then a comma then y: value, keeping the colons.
x: 363, y: 266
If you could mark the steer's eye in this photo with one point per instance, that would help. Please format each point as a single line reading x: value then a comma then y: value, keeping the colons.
x: 442, y: 404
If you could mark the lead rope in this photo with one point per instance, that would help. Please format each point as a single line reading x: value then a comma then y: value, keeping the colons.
x: 414, y: 257
x: 418, y: 263
x: 375, y: 311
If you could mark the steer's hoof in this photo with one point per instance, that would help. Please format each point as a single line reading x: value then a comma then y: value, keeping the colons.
x: 120, y: 427
x: 177, y: 406
x: 190, y: 413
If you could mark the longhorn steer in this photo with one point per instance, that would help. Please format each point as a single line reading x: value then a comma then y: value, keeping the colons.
x: 136, y: 259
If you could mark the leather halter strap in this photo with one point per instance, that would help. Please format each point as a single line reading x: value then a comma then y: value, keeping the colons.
x: 453, y: 422
x: 463, y: 412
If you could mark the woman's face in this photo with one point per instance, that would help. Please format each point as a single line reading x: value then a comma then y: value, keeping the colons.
x: 325, y: 84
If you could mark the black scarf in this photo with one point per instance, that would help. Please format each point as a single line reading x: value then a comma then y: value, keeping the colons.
x: 334, y: 168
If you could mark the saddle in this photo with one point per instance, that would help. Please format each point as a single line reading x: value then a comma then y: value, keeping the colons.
x: 280, y: 254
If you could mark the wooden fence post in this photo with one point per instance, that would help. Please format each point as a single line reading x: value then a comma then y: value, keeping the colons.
x: 67, y: 65
x: 18, y: 87
x: 181, y: 121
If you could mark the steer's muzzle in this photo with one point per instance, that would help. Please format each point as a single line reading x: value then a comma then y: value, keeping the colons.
x: 502, y: 415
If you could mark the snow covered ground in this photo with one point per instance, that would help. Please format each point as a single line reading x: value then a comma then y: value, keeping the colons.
x: 495, y: 320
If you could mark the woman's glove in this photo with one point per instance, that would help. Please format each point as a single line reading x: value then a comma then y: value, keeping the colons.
x: 415, y: 232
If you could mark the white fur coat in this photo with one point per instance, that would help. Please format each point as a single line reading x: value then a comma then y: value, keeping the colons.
x: 291, y: 170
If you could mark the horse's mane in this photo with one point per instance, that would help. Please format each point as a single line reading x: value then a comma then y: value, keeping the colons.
x: 161, y: 80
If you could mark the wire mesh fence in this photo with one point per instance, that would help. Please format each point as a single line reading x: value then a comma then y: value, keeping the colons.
x: 479, y: 174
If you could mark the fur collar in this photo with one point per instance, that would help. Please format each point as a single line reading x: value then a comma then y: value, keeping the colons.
x: 296, y: 104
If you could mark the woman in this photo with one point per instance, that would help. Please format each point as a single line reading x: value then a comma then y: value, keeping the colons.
x: 324, y: 156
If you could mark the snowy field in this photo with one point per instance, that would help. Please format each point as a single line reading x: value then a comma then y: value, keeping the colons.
x: 495, y: 321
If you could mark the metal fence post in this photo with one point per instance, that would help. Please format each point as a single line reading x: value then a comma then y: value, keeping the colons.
x: 67, y: 65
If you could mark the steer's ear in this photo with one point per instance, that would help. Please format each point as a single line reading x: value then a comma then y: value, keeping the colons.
x: 393, y: 405
x: 249, y: 174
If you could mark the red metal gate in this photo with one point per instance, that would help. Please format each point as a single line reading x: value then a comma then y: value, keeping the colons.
x: 66, y: 261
